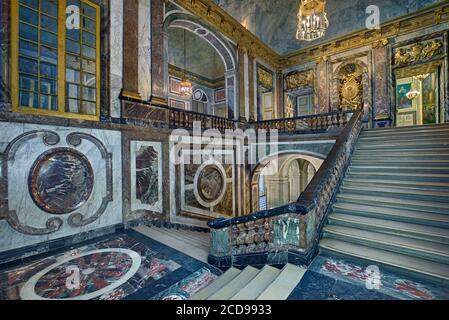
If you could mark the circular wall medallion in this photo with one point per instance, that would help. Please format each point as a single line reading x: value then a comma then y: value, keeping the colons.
x: 83, y: 277
x: 210, y: 183
x: 61, y: 181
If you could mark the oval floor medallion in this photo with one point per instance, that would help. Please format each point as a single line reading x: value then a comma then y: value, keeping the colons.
x: 61, y: 181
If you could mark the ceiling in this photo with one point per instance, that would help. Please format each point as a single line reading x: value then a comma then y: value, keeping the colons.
x: 274, y: 21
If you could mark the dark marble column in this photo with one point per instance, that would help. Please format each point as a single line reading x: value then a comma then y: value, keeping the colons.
x: 322, y: 88
x: 382, y: 116
x: 252, y: 81
x: 241, y: 84
x: 159, y: 64
x: 5, y: 97
x: 131, y: 49
x: 280, y: 94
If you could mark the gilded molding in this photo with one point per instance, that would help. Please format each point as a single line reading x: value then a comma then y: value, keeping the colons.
x: 265, y: 78
x: 299, y: 79
x: 421, y: 51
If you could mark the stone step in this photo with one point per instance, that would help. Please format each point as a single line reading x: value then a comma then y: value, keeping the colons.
x: 387, y: 162
x: 412, y: 230
x: 403, y: 176
x: 398, y: 192
x: 407, y: 154
x: 417, y: 248
x: 385, y: 147
x: 256, y: 286
x: 394, y: 260
x: 409, y: 137
x: 218, y: 284
x: 400, y: 169
x: 392, y: 202
x: 235, y: 285
x: 284, y: 284
x: 400, y: 131
x: 401, y: 215
x: 415, y: 185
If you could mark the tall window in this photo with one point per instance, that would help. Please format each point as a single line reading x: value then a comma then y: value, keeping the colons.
x: 56, y: 64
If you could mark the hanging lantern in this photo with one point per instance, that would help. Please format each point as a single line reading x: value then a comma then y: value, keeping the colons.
x: 313, y: 21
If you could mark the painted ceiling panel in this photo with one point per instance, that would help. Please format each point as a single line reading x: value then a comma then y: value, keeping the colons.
x: 274, y: 21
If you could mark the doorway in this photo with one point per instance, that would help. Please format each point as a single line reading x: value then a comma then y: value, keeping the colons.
x: 418, y: 95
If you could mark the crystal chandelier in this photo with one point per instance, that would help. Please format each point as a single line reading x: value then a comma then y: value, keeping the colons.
x: 185, y: 84
x: 313, y: 21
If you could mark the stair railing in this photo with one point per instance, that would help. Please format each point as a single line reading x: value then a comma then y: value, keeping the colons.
x: 295, y: 226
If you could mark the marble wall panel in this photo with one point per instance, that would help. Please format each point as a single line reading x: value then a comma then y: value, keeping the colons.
x: 116, y: 56
x: 101, y: 148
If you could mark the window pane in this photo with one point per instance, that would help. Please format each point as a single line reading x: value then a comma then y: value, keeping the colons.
x: 89, y: 39
x: 88, y: 66
x: 73, y: 105
x: 48, y: 71
x: 89, y: 79
x: 44, y: 102
x: 73, y: 2
x: 30, y: 3
x: 49, y: 23
x: 73, y: 47
x: 89, y: 11
x: 49, y: 55
x: 49, y: 39
x: 28, y: 82
x: 28, y: 32
x: 72, y: 76
x: 73, y: 62
x: 48, y: 86
x: 54, y: 103
x: 89, y: 25
x: 28, y: 99
x: 28, y: 15
x: 73, y: 34
x: 28, y: 49
x: 50, y: 7
x: 89, y: 52
x: 28, y: 65
x: 73, y: 91
x: 89, y: 94
x: 88, y: 108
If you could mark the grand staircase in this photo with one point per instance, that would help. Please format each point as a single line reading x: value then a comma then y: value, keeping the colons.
x: 393, y: 206
x: 268, y: 283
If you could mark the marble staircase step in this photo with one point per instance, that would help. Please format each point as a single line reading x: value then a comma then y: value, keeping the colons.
x: 407, y: 176
x: 405, y: 154
x: 399, y: 131
x: 420, y: 248
x: 403, y: 146
x: 367, y: 138
x: 412, y: 186
x: 284, y: 284
x: 443, y: 169
x: 392, y: 259
x: 400, y: 215
x: 235, y: 285
x: 256, y: 286
x: 394, y: 202
x: 398, y: 192
x: 416, y: 231
x: 217, y: 285
x: 387, y: 162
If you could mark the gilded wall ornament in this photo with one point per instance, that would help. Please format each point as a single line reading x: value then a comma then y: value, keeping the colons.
x: 299, y: 79
x: 351, y: 92
x: 265, y: 78
x: 417, y: 52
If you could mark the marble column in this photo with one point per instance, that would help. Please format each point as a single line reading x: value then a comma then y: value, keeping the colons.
x: 4, y: 54
x: 116, y: 57
x: 131, y: 49
x: 241, y: 82
x: 251, y: 90
x: 159, y: 54
x: 145, y: 49
x: 322, y: 88
x: 278, y: 192
x: 280, y: 94
x: 382, y: 116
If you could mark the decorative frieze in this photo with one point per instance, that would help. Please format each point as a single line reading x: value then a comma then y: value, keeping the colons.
x: 299, y: 80
x: 418, y: 52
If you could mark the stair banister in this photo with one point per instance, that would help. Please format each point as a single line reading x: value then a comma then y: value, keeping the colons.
x: 293, y: 226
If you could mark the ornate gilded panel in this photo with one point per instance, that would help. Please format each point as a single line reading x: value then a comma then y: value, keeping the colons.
x: 265, y: 78
x: 418, y: 52
x: 299, y: 80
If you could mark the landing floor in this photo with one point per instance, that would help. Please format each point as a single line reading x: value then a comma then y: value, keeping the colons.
x: 132, y: 266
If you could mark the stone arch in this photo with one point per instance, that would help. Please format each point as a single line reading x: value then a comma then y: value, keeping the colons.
x: 223, y: 48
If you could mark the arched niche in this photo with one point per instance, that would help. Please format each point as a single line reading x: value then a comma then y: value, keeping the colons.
x: 221, y: 46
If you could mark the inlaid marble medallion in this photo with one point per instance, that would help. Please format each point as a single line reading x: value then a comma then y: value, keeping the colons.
x: 210, y: 183
x: 61, y: 181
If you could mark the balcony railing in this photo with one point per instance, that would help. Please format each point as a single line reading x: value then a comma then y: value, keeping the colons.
x: 291, y: 227
x: 186, y: 118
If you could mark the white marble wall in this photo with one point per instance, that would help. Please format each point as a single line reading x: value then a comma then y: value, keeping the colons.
x: 20, y: 199
x: 116, y: 58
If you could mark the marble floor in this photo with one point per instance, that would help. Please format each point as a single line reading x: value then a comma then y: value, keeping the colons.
x: 131, y: 265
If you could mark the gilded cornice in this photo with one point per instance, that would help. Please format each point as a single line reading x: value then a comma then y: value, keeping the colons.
x: 222, y: 21
x: 249, y: 43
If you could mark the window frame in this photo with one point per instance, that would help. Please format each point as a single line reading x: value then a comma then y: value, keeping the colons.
x: 61, y: 67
